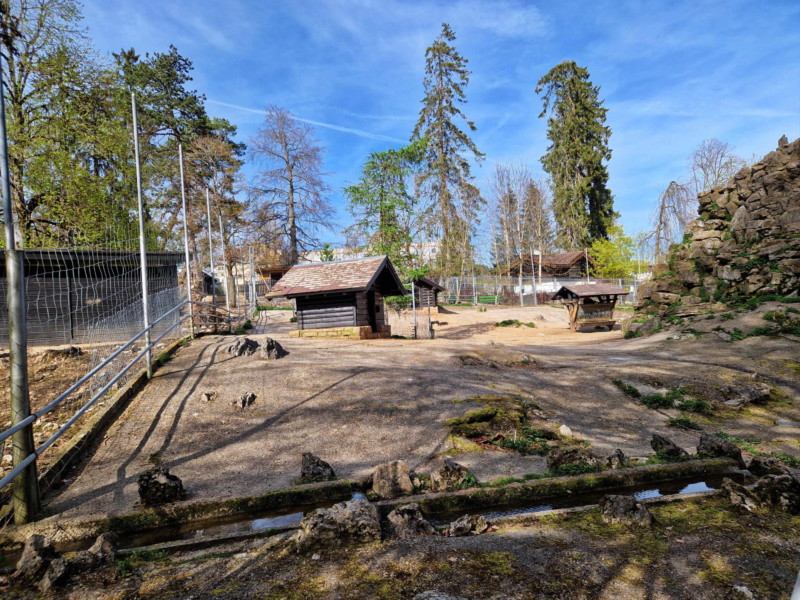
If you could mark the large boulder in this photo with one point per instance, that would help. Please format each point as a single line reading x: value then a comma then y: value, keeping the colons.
x: 243, y: 347
x: 741, y: 395
x: 408, y: 521
x: 625, y: 509
x: 666, y: 447
x: 448, y: 475
x: 711, y: 446
x: 616, y: 460
x: 466, y: 525
x: 315, y: 469
x: 35, y: 559
x: 272, y: 350
x: 158, y: 486
x: 56, y: 575
x: 559, y: 461
x: 781, y: 491
x: 739, y: 496
x: 391, y: 480
x: 766, y: 465
x: 354, y: 521
x: 105, y: 547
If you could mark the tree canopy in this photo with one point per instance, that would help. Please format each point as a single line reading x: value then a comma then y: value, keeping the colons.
x: 576, y: 157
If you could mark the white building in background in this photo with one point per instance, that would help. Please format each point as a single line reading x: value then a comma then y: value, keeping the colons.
x: 426, y: 253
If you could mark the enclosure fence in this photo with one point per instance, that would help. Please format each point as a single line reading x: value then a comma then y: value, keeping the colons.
x: 528, y: 291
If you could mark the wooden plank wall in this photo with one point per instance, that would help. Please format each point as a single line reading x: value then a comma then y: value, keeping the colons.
x: 334, y: 310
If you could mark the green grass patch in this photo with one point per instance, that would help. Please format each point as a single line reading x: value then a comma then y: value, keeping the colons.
x: 696, y: 406
x: 666, y: 400
x: 627, y: 388
x: 514, y: 323
x: 683, y: 423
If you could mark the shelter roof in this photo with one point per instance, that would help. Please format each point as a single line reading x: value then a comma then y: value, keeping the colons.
x: 565, y: 259
x: 424, y: 282
x: 356, y: 275
x: 585, y: 290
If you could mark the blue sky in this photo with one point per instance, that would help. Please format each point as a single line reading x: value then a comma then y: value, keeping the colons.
x: 672, y: 74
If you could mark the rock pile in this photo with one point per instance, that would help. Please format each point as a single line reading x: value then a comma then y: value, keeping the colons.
x: 351, y: 522
x: 744, y: 243
x: 408, y: 521
x: 449, y: 475
x: 243, y: 347
x: 625, y: 509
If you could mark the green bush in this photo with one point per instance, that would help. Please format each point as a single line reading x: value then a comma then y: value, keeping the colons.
x: 696, y: 406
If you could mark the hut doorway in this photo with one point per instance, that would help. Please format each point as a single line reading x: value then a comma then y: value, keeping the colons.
x: 371, y: 310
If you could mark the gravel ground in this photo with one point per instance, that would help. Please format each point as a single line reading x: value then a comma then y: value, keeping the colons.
x: 359, y: 403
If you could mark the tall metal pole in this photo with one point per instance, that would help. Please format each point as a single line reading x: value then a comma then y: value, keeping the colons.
x: 142, y: 244
x: 253, y: 301
x: 186, y: 244
x: 414, y: 309
x: 224, y: 267
x: 211, y: 256
x: 26, y: 485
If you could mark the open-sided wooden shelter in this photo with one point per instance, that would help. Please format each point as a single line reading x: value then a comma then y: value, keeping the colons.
x: 341, y: 298
x: 590, y: 304
x: 426, y: 293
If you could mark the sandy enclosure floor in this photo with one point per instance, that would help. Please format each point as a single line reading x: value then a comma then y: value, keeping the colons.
x: 359, y: 403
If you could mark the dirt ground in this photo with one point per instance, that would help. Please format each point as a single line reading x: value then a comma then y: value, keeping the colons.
x: 360, y: 403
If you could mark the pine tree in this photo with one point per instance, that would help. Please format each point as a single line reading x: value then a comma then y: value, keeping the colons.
x: 446, y: 175
x: 582, y: 203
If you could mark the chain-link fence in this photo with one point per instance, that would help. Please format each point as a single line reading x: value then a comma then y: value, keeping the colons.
x: 520, y: 292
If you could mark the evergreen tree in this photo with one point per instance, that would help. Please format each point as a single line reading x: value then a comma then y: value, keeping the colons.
x: 582, y: 202
x: 386, y: 213
x: 446, y: 176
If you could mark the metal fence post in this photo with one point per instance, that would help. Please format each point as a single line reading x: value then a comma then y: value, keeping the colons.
x: 25, y: 501
x: 186, y: 244
x: 142, y: 242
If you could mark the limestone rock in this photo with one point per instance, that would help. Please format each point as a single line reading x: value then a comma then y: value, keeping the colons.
x: 208, y: 396
x: 649, y: 327
x: 315, y: 469
x: 35, y: 559
x: 391, y: 480
x: 245, y: 400
x: 712, y: 447
x: 436, y: 595
x: 765, y: 465
x: 740, y: 496
x: 468, y: 524
x: 625, y: 509
x: 565, y: 431
x: 158, y: 486
x: 559, y: 459
x: 664, y: 445
x: 354, y: 521
x: 243, y: 347
x: 781, y: 491
x: 105, y: 547
x: 408, y: 521
x: 740, y: 592
x: 616, y: 460
x: 55, y: 576
x: 272, y: 350
x: 449, y: 475
x: 742, y: 395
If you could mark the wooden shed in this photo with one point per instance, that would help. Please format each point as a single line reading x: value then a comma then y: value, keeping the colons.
x: 590, y: 304
x: 346, y: 295
x: 426, y: 293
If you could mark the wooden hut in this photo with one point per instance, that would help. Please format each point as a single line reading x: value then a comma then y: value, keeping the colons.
x: 426, y: 293
x: 590, y: 304
x: 341, y: 298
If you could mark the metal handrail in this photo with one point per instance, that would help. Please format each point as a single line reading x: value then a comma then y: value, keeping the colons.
x: 61, y: 397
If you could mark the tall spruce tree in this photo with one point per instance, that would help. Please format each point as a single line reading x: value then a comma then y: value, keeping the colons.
x: 446, y: 175
x: 582, y: 203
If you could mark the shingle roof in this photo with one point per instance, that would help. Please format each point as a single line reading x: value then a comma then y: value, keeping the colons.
x: 565, y: 259
x: 592, y: 289
x: 336, y: 276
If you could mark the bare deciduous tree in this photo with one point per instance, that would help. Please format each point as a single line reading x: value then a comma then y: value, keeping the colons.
x: 676, y: 208
x: 290, y: 191
x: 712, y: 164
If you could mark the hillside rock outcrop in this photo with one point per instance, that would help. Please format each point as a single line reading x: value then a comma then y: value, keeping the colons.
x: 746, y: 241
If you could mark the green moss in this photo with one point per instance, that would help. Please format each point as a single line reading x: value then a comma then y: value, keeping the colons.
x: 683, y: 423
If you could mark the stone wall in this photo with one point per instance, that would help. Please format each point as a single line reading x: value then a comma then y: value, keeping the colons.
x: 746, y: 241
